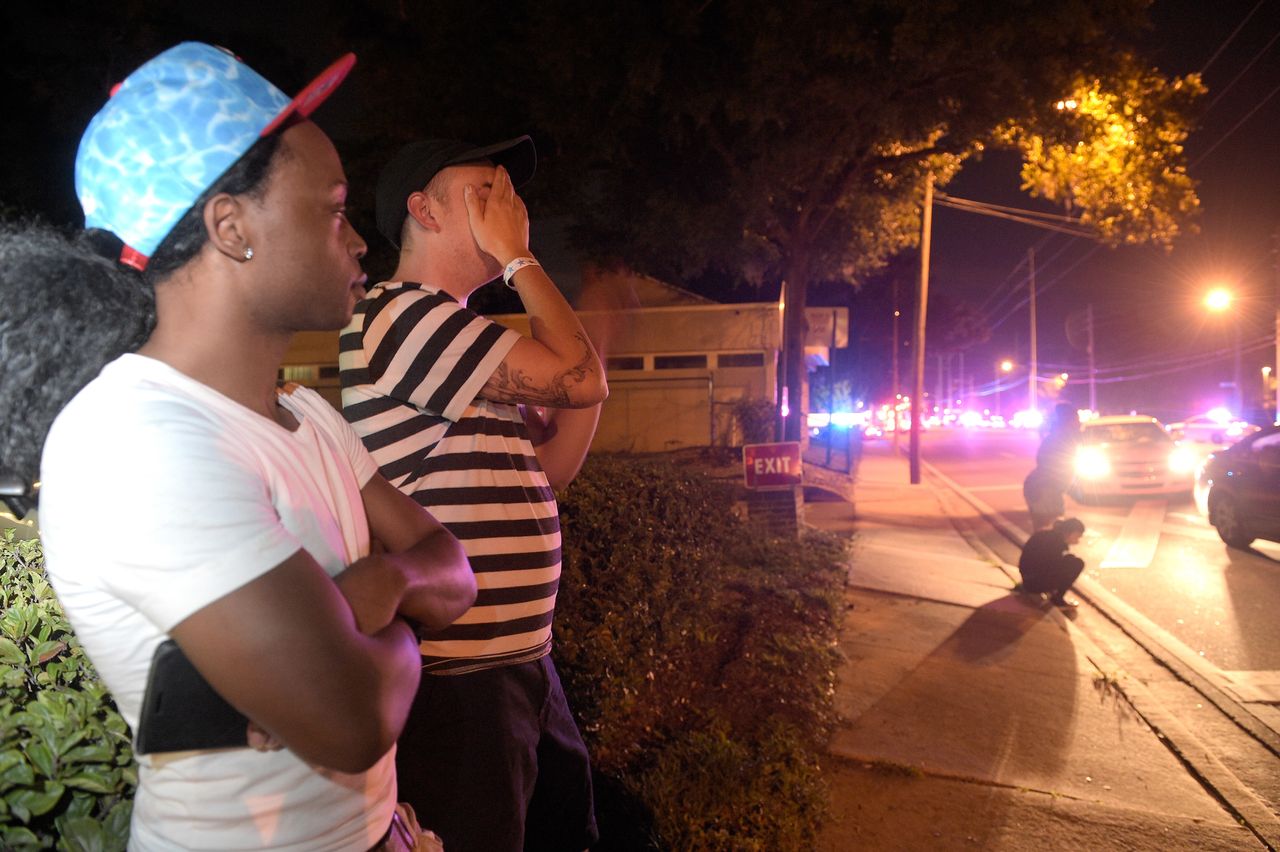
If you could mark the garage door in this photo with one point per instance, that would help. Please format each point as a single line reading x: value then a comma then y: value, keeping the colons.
x: 655, y: 415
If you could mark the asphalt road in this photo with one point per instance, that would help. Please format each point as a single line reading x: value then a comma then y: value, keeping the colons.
x: 1158, y: 555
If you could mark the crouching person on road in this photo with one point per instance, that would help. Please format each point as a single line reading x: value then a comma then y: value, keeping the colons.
x: 1047, y: 565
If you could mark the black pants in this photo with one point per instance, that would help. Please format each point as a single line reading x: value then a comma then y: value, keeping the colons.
x: 1052, y: 577
x: 1044, y: 498
x: 492, y: 761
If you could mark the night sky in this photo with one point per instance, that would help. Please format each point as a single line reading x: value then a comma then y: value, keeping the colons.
x: 61, y: 60
x: 1148, y: 317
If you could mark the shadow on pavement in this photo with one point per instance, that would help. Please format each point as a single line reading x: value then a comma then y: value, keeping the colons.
x: 916, y: 522
x: 1251, y: 584
x: 993, y: 700
x: 989, y: 634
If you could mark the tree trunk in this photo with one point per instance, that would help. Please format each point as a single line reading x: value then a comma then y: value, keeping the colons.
x: 795, y: 329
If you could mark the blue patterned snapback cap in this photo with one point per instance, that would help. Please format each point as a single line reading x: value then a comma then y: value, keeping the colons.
x: 170, y: 130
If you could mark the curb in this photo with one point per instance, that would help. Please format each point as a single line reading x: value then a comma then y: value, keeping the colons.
x: 1151, y: 637
x: 1240, y: 801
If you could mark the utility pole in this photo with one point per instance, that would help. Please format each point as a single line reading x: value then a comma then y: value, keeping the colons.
x: 1093, y: 369
x: 941, y: 390
x: 996, y: 409
x: 780, y: 420
x: 1275, y: 260
x: 922, y: 308
x: 1239, y: 377
x: 897, y: 392
x: 831, y: 392
x: 1032, y: 404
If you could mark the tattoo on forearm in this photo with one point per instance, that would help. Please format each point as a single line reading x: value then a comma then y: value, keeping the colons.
x: 511, y: 384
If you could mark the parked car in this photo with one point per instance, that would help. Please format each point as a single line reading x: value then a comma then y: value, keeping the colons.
x: 1130, y: 456
x: 1217, y: 429
x: 1239, y: 489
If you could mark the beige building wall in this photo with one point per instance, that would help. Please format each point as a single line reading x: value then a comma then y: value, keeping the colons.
x: 675, y: 372
x: 676, y: 365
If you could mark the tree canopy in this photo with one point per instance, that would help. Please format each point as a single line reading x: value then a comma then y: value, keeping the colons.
x: 790, y: 142
x: 1116, y: 154
x: 760, y: 142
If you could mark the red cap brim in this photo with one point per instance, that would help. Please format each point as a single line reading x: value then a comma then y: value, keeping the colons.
x: 310, y: 98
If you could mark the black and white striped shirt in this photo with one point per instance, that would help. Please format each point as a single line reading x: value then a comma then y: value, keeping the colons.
x: 412, y: 362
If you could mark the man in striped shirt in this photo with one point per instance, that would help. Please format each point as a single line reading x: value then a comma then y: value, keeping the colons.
x: 449, y: 405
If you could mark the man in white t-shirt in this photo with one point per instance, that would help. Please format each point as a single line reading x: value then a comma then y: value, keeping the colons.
x: 185, y: 497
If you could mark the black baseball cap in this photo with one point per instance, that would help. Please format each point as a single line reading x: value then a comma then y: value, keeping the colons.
x: 413, y: 167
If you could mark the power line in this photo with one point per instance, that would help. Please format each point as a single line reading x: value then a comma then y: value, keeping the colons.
x: 1025, y: 220
x: 1243, y: 71
x: 1237, y: 126
x: 1029, y: 217
x: 987, y: 205
x: 1234, y: 33
x: 986, y: 307
x: 990, y: 312
x: 1183, y: 365
x: 1035, y: 218
x: 1197, y: 360
x: 1040, y: 289
x: 994, y: 210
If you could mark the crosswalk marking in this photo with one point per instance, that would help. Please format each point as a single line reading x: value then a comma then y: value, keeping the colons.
x: 1135, y: 547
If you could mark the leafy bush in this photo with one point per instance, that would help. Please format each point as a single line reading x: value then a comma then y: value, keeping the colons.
x: 700, y: 659
x: 66, y: 765
x: 755, y: 419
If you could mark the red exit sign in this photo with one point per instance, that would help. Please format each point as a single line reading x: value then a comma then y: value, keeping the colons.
x: 771, y: 465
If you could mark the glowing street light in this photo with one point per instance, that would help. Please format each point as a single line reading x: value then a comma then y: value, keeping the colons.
x: 1005, y: 365
x: 1218, y: 299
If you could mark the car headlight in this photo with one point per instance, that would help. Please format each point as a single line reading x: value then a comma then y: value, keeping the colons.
x: 1182, y: 460
x: 1092, y: 463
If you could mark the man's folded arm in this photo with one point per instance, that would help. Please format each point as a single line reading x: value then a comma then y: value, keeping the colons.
x: 285, y: 650
x: 420, y: 557
x: 560, y: 438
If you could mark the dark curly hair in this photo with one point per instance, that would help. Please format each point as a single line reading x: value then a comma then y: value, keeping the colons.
x: 70, y: 308
x: 68, y: 311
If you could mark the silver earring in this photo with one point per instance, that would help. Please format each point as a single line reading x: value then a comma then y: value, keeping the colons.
x: 248, y: 254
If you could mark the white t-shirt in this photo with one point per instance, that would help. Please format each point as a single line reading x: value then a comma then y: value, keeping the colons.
x: 159, y: 495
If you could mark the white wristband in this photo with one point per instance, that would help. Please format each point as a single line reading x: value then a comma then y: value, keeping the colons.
x: 514, y: 266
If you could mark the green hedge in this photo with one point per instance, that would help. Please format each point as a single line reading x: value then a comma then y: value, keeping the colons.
x: 66, y: 765
x: 699, y: 657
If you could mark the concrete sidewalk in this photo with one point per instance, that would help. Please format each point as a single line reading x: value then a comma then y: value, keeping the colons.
x: 974, y: 719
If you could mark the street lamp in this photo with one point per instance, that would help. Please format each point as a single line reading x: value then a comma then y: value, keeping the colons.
x: 1004, y: 366
x: 1219, y: 300
x: 1266, y: 386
